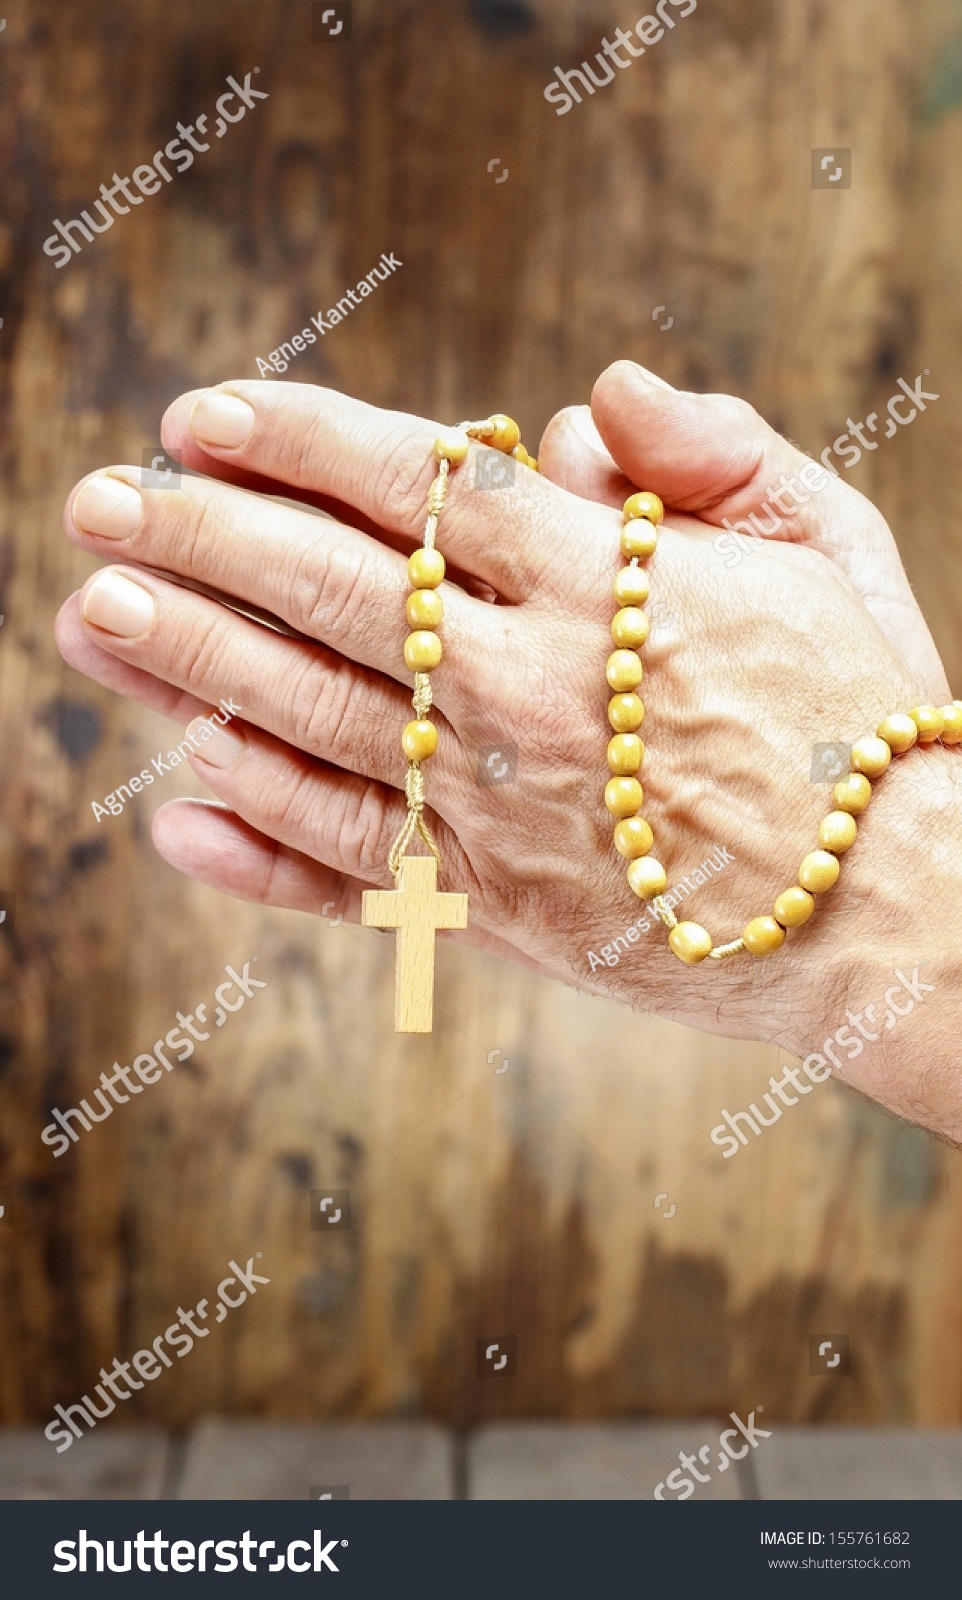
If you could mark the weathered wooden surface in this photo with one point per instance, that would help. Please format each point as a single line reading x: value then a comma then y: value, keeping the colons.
x: 484, y: 1203
x: 860, y: 1464
x: 353, y: 1461
x: 595, y: 1461
x: 114, y: 1464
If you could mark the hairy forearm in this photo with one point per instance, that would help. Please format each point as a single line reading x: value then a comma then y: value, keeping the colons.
x: 891, y: 952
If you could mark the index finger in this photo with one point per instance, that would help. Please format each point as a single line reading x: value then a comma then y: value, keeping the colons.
x: 503, y: 526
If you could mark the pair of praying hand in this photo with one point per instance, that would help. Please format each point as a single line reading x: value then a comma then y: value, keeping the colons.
x: 813, y: 636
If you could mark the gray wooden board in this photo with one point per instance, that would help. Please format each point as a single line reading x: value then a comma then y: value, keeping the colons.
x: 860, y: 1464
x: 110, y: 1464
x: 285, y: 1461
x: 592, y: 1461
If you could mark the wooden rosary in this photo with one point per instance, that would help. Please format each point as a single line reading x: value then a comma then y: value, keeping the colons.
x: 417, y: 910
x: 414, y: 907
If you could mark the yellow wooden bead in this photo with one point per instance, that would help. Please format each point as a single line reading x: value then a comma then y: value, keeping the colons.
x: 643, y: 504
x: 852, y: 793
x: 624, y: 670
x: 871, y: 755
x: 629, y: 627
x: 690, y: 942
x: 793, y: 907
x: 631, y: 586
x: 763, y: 935
x: 625, y: 752
x: 425, y: 569
x: 818, y: 871
x: 533, y: 463
x: 623, y: 796
x: 837, y: 831
x: 419, y: 740
x: 647, y: 877
x: 521, y: 455
x: 506, y: 433
x: 898, y: 731
x: 626, y: 713
x: 422, y: 650
x: 929, y: 721
x: 952, y: 723
x: 638, y: 538
x: 424, y: 608
x: 451, y: 445
x: 633, y: 837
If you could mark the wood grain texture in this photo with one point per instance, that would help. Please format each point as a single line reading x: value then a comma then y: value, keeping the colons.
x: 504, y: 1172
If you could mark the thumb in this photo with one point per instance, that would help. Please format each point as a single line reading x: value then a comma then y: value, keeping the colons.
x: 712, y: 455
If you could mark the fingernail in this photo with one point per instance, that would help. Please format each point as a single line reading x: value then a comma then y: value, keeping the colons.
x: 582, y: 423
x: 650, y: 377
x: 218, y: 746
x: 221, y: 419
x: 118, y: 605
x: 108, y: 507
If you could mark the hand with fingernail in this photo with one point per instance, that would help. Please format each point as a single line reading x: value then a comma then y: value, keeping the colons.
x: 813, y: 637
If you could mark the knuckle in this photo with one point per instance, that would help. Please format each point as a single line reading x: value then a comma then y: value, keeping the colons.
x: 324, y: 591
x: 199, y: 658
x: 362, y: 830
x: 319, y: 706
x: 403, y: 485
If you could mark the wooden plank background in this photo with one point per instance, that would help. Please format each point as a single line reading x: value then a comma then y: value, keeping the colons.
x: 483, y: 1203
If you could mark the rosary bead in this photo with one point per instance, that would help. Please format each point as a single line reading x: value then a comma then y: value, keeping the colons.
x: 422, y: 650
x: 690, y: 942
x: 793, y: 907
x: 425, y: 608
x: 451, y: 445
x: 419, y: 740
x: 837, y: 831
x: 633, y: 837
x: 626, y: 713
x: 952, y: 719
x: 763, y: 935
x: 629, y: 627
x: 631, y: 586
x: 425, y: 569
x: 647, y: 877
x: 643, y: 504
x: 638, y: 538
x: 871, y: 755
x: 624, y: 670
x: 818, y: 871
x: 625, y: 752
x: 929, y: 721
x: 898, y: 731
x: 852, y: 793
x: 506, y: 435
x: 623, y: 796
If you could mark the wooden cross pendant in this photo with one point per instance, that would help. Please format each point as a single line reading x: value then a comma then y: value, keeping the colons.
x: 416, y: 910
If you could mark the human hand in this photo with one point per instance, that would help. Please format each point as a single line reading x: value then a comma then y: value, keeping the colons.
x: 755, y: 666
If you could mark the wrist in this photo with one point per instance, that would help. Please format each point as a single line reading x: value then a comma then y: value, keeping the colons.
x: 889, y: 960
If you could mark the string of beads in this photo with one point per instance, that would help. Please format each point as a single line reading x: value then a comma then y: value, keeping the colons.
x: 425, y: 612
x: 633, y: 837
